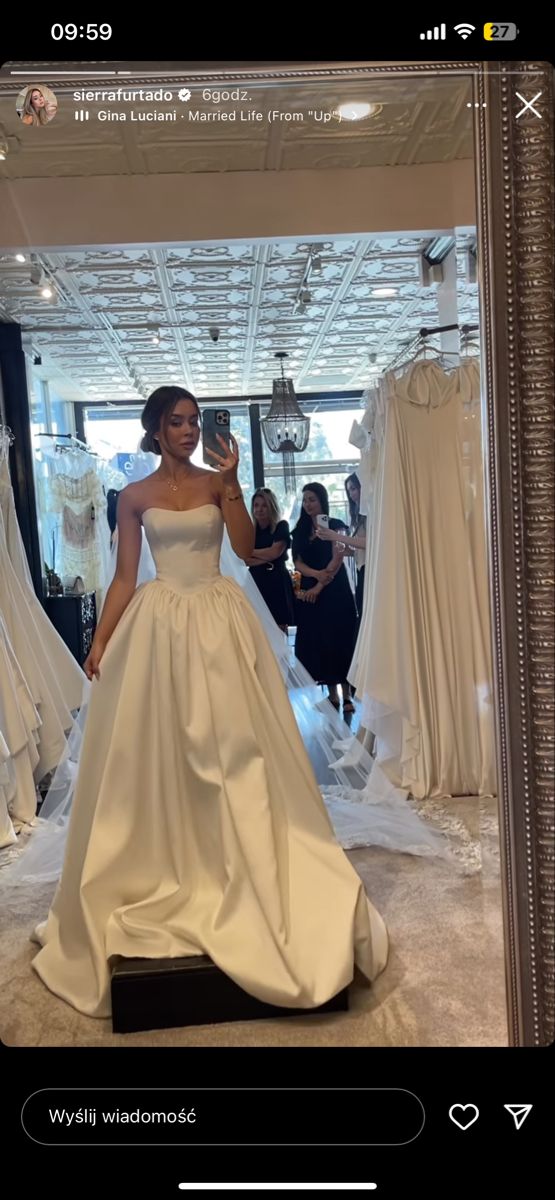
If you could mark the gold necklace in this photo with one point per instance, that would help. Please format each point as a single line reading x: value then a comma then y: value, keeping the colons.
x: 174, y: 487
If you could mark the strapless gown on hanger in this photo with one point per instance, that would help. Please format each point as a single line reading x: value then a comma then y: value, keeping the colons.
x: 197, y: 825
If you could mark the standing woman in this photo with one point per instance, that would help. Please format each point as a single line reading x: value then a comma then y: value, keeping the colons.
x: 355, y: 541
x: 267, y: 563
x: 326, y: 622
x: 197, y: 826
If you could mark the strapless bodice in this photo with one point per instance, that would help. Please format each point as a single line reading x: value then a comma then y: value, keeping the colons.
x: 185, y: 545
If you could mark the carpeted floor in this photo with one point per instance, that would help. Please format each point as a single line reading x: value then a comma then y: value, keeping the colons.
x: 443, y: 985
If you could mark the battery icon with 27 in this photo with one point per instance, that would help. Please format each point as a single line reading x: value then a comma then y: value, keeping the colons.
x: 506, y: 32
x: 81, y: 114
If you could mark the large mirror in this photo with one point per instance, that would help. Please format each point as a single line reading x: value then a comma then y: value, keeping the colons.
x: 341, y: 258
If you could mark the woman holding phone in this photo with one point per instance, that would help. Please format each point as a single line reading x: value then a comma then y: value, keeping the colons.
x: 327, y: 618
x: 38, y: 109
x: 197, y: 826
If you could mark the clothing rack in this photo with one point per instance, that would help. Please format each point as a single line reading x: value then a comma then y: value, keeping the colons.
x: 464, y: 329
x: 420, y: 339
x: 72, y: 442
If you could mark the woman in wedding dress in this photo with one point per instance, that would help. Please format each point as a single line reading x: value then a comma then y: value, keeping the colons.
x: 197, y: 826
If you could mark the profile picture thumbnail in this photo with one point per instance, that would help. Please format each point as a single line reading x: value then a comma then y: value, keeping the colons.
x: 36, y: 104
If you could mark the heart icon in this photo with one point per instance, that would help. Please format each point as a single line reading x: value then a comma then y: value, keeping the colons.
x: 468, y: 1114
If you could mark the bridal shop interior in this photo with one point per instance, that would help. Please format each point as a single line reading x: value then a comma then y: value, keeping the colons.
x: 199, y: 254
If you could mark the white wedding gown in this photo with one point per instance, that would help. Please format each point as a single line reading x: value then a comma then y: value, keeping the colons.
x: 197, y: 826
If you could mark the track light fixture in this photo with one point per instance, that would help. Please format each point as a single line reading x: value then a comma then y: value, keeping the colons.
x: 313, y: 266
x: 438, y: 249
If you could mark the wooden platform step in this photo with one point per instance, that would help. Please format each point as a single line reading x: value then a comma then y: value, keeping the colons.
x: 170, y: 993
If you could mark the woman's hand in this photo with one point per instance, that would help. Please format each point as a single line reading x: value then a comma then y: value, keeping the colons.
x: 92, y: 661
x: 322, y: 577
x: 326, y: 535
x: 228, y: 462
x: 312, y: 595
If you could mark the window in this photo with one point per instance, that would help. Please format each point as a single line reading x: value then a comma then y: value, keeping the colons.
x: 328, y: 459
x: 116, y: 433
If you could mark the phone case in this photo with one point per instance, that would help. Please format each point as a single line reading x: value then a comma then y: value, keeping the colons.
x: 323, y: 520
x: 215, y: 421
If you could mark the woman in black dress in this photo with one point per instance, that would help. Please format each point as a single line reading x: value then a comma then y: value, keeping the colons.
x: 267, y: 565
x: 355, y: 540
x: 327, y: 618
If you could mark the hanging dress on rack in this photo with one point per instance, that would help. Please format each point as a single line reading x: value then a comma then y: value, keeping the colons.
x: 20, y: 729
x: 25, y: 633
x: 81, y: 503
x: 69, y: 676
x: 421, y: 667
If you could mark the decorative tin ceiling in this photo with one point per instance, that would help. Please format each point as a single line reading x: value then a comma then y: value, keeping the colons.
x: 96, y: 337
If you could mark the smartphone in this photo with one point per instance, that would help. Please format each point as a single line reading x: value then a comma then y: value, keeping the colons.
x: 323, y: 519
x: 214, y: 421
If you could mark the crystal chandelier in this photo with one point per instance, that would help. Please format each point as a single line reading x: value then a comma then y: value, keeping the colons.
x: 286, y: 429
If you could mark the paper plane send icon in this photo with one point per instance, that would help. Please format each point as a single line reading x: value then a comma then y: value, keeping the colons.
x: 519, y: 1112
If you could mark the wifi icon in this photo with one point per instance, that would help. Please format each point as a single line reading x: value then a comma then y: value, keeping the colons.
x: 464, y: 30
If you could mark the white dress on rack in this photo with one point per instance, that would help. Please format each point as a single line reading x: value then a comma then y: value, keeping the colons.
x: 19, y: 738
x: 81, y: 503
x: 422, y: 664
x: 25, y: 629
x: 197, y: 825
x: 69, y: 676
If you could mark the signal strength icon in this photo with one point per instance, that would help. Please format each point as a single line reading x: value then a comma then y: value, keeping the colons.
x: 464, y: 31
x: 437, y: 34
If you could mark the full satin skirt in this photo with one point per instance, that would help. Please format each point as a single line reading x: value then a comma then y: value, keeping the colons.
x: 197, y: 825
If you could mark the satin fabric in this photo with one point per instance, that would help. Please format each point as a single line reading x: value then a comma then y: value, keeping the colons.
x: 66, y: 672
x: 38, y: 651
x: 197, y: 826
x: 422, y: 665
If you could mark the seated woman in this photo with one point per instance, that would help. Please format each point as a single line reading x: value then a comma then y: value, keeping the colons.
x: 267, y: 564
x: 326, y: 623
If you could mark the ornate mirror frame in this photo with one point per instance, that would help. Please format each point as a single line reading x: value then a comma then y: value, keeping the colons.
x: 514, y: 162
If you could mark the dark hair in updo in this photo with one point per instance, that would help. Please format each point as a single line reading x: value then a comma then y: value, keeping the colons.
x: 157, y: 410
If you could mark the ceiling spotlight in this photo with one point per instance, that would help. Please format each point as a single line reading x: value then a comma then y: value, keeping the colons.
x: 438, y: 249
x: 37, y: 274
x: 20, y: 258
x: 305, y: 296
x: 385, y: 291
x: 47, y: 292
x: 316, y: 264
x: 357, y: 110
